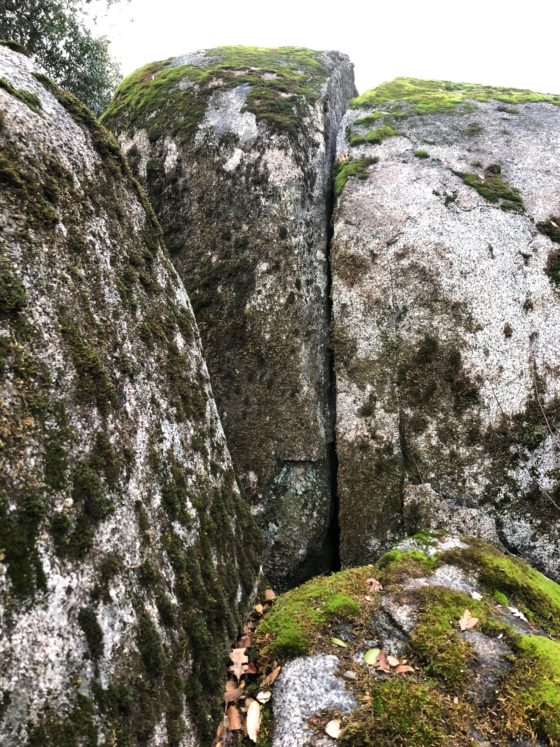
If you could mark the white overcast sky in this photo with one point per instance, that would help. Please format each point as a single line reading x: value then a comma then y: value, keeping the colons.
x: 498, y: 42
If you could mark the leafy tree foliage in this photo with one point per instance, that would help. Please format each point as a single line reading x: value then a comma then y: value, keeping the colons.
x: 56, y: 35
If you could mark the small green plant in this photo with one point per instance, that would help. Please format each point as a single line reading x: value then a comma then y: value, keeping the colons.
x: 421, y: 154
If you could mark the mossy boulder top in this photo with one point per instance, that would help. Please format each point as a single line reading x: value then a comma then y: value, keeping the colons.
x: 444, y: 641
x: 445, y: 264
x: 126, y: 553
x: 235, y: 146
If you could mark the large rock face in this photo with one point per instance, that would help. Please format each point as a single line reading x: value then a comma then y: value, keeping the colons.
x: 447, y: 317
x: 446, y: 641
x: 127, y: 554
x: 235, y: 146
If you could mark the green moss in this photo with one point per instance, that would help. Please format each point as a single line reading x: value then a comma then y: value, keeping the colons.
x: 13, y: 297
x: 150, y: 647
x: 14, y: 46
x: 530, y: 701
x: 94, y: 380
x: 341, y: 605
x: 343, y: 170
x: 397, y: 565
x: 495, y: 189
x: 279, y: 81
x: 67, y: 729
x: 550, y: 228
x: 88, y: 492
x: 28, y: 97
x: 108, y: 149
x: 421, y: 154
x: 104, y: 459
x: 403, y: 713
x: 501, y: 598
x: 73, y: 536
x: 373, y: 137
x: 28, y: 186
x: 302, y: 616
x: 19, y: 529
x: 436, y: 96
x: 525, y: 588
x: 552, y: 268
x: 435, y: 369
x: 87, y: 621
x: 436, y: 642
x: 56, y: 462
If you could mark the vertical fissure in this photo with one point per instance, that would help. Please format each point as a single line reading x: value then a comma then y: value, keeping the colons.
x: 333, y: 536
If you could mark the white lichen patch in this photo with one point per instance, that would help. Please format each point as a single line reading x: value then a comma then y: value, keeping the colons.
x: 224, y: 115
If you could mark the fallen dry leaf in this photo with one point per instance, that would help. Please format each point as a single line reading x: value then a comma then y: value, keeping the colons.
x: 270, y: 679
x: 404, y: 669
x: 239, y: 658
x: 250, y: 668
x: 393, y: 661
x: 230, y: 696
x: 259, y: 609
x: 467, y: 621
x: 269, y: 595
x: 244, y: 642
x: 373, y: 584
x: 234, y: 719
x: 382, y: 664
x: 264, y: 696
x: 333, y: 728
x: 253, y: 720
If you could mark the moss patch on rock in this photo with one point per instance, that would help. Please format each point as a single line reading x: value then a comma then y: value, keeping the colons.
x: 493, y: 187
x: 441, y: 701
x: 279, y: 79
x: 302, y: 619
x: 28, y: 97
x: 353, y: 167
x: 437, y: 96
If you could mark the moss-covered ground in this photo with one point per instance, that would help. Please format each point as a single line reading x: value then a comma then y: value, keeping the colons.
x: 436, y: 704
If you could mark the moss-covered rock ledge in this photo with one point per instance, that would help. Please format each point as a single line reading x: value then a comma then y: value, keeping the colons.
x: 382, y: 650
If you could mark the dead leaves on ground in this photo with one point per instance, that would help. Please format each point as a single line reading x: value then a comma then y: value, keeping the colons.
x: 384, y: 662
x: 467, y: 621
x: 241, y: 713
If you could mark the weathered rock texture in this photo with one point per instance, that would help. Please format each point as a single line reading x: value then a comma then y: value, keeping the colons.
x: 127, y: 554
x: 445, y: 266
x: 235, y: 146
x: 381, y: 649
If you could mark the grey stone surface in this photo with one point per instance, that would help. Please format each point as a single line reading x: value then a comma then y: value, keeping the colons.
x: 447, y: 333
x: 242, y: 186
x: 305, y: 686
x: 127, y: 555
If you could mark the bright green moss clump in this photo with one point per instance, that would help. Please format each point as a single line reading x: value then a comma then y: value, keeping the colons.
x: 494, y: 188
x: 345, y: 169
x: 435, y: 96
x: 171, y: 100
x: 536, y: 595
x: 301, y: 618
x: 373, y: 137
